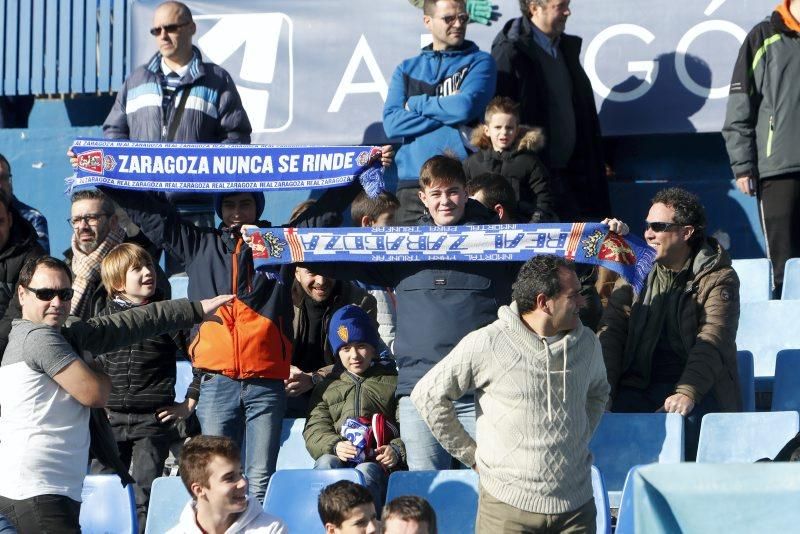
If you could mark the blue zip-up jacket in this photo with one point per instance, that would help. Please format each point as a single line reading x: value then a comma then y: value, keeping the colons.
x: 430, y: 96
x: 213, y: 112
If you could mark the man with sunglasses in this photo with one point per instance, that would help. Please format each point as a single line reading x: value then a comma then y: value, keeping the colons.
x: 433, y: 96
x: 672, y: 347
x: 147, y: 104
x: 48, y: 383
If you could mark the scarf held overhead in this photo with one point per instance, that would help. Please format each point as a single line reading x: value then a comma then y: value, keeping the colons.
x: 216, y: 168
x: 581, y: 242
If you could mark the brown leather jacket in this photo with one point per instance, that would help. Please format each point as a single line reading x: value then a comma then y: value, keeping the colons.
x: 708, y: 317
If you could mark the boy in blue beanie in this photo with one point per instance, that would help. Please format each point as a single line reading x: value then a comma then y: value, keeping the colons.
x: 350, y: 410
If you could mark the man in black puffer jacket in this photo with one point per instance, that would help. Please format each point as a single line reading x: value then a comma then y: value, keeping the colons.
x: 18, y: 242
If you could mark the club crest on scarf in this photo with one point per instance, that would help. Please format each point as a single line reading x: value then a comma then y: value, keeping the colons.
x: 266, y: 246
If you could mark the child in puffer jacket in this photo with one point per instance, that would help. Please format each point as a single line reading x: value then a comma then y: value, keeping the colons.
x: 509, y: 149
x: 349, y: 421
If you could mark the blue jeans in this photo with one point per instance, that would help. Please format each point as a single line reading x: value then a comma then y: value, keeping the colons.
x: 248, y: 411
x: 423, y: 452
x: 374, y: 475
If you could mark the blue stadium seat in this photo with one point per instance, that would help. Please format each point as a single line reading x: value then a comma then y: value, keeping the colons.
x: 764, y: 329
x: 791, y: 280
x: 183, y: 378
x: 756, y: 279
x: 179, y: 285
x: 292, y: 495
x: 107, y: 506
x: 623, y: 440
x: 734, y: 499
x: 745, y: 437
x: 453, y: 494
x: 786, y: 392
x: 293, y: 453
x: 601, y: 502
x: 625, y: 524
x: 168, y: 496
x: 747, y: 381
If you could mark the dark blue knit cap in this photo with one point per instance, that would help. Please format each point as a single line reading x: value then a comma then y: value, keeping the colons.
x: 258, y: 196
x: 351, y: 324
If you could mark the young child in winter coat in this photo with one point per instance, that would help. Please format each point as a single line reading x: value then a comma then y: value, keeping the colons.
x: 348, y: 422
x: 509, y: 149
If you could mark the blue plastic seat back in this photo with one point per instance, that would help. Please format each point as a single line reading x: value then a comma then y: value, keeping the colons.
x: 107, y: 506
x: 765, y: 328
x: 453, y: 494
x: 183, y: 377
x: 755, y: 277
x: 727, y: 498
x: 786, y: 391
x: 292, y: 495
x: 625, y: 524
x: 168, y: 497
x: 179, y: 286
x: 293, y: 453
x: 601, y: 502
x: 791, y: 280
x: 746, y: 380
x: 745, y: 437
x: 623, y: 440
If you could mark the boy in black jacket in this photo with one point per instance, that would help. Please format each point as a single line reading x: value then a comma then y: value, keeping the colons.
x: 141, y: 406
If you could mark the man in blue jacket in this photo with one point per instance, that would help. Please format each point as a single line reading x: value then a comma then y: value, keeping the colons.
x: 433, y: 95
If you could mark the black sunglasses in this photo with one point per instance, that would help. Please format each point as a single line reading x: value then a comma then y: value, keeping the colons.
x: 659, y: 226
x: 169, y: 28
x: 463, y: 18
x: 47, y: 294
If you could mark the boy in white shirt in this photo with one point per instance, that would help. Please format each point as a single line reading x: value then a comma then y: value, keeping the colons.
x: 211, y: 470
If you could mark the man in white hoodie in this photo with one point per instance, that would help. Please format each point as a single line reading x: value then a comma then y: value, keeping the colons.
x: 540, y: 390
x: 211, y: 470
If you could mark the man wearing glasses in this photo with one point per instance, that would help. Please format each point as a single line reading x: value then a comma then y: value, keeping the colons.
x: 96, y: 230
x: 433, y: 96
x: 147, y: 105
x: 48, y: 382
x: 672, y: 347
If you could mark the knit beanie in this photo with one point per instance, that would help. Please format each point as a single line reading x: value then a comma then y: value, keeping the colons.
x: 351, y: 324
x: 258, y: 196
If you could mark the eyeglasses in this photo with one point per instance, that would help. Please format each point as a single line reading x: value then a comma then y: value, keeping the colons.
x: 463, y: 18
x: 660, y: 226
x: 169, y: 28
x: 90, y: 218
x: 47, y: 294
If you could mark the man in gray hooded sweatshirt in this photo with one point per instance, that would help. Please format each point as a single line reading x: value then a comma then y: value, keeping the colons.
x: 540, y: 390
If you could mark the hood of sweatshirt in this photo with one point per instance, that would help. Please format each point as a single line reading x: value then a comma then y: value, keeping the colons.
x: 545, y: 352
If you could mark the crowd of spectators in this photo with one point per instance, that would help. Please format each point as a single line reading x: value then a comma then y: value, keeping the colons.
x: 499, y: 367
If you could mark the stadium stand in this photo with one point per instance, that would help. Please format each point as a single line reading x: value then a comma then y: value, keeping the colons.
x: 786, y: 392
x: 623, y: 440
x: 167, y: 498
x: 764, y: 329
x: 755, y: 276
x: 293, y: 453
x: 746, y: 380
x: 107, y: 506
x: 292, y: 495
x: 791, y: 280
x: 745, y: 437
x: 179, y: 285
x: 661, y: 499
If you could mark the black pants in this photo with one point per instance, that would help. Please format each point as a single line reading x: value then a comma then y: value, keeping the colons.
x: 143, y: 445
x: 43, y: 514
x: 411, y: 207
x: 779, y: 206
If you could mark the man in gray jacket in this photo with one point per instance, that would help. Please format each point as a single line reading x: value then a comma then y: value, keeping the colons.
x: 762, y: 129
x: 540, y: 390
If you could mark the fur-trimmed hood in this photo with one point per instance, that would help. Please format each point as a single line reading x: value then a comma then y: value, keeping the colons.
x: 530, y: 138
